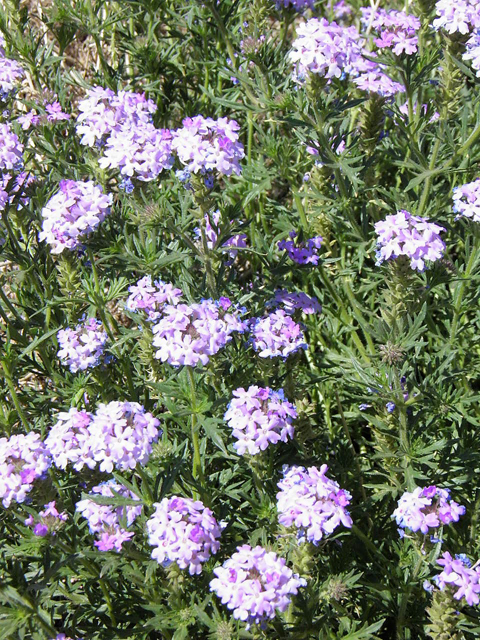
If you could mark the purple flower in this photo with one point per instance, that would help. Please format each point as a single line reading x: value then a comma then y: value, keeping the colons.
x: 396, y: 29
x: 10, y: 74
x: 55, y: 113
x: 298, y: 5
x: 204, y: 144
x: 23, y: 460
x: 473, y: 51
x: 102, y: 112
x: 312, y: 502
x: 190, y: 334
x: 427, y: 508
x: 302, y: 252
x: 11, y: 149
x: 49, y: 520
x: 292, y: 301
x: 16, y: 187
x: 258, y: 417
x: 459, y: 576
x: 73, y: 213
x: 410, y: 236
x: 277, y: 335
x: 30, y: 119
x: 183, y: 531
x: 152, y: 298
x: 68, y: 440
x: 457, y: 17
x: 376, y: 81
x: 466, y: 200
x: 255, y: 583
x: 108, y: 521
x: 81, y: 348
x: 211, y: 232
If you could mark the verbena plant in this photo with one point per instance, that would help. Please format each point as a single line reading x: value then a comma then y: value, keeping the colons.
x: 239, y: 319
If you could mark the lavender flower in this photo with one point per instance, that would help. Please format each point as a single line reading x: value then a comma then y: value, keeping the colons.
x: 466, y: 200
x: 11, y: 189
x: 121, y: 435
x: 211, y: 232
x: 49, y: 520
x: 397, y: 29
x: 298, y: 5
x: 312, y: 502
x: 109, y: 521
x: 73, y: 213
x: 259, y: 417
x: 55, y: 113
x: 11, y: 73
x: 302, y: 252
x: 68, y: 440
x: 102, y: 112
x: 183, y: 531
x: 277, y: 335
x: 327, y: 49
x: 11, y: 149
x: 190, y: 334
x: 296, y: 300
x: 459, y: 576
x: 376, y: 81
x: 138, y: 150
x: 81, y: 348
x: 473, y: 51
x: 204, y: 144
x: 151, y: 298
x: 410, y: 236
x: 460, y: 16
x: 23, y: 459
x: 30, y: 119
x: 427, y: 508
x: 255, y: 583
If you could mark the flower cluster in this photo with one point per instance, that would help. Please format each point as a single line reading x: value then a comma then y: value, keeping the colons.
x: 204, y: 144
x: 138, y: 149
x: 460, y: 16
x: 82, y: 347
x: 255, y: 583
x: 412, y: 236
x: 12, y: 189
x: 427, y: 508
x: 466, y: 200
x: 277, y: 335
x: 236, y: 242
x: 292, y: 301
x: 258, y: 417
x: 460, y: 576
x: 327, y: 49
x: 73, y: 213
x: 302, y: 252
x: 68, y: 440
x: 190, y: 334
x: 396, y: 29
x: 375, y: 81
x: 183, y: 531
x: 312, y: 503
x: 49, y: 520
x: 298, y: 5
x: 23, y: 459
x: 103, y: 112
x: 109, y: 521
x: 151, y: 297
x: 472, y: 51
x: 11, y: 149
x: 119, y: 435
x: 10, y: 74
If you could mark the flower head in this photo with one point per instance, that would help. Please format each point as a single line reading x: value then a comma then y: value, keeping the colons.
x: 457, y: 17
x: 459, y: 577
x: 292, y: 301
x: 312, y: 502
x: 302, y: 252
x: 23, y: 460
x: 410, y: 236
x: 255, y: 584
x: 183, y: 531
x: 11, y: 73
x: 11, y: 149
x: 68, y: 440
x: 49, y: 520
x: 259, y: 417
x: 427, y: 508
x: 81, y: 348
x: 277, y: 335
x: 73, y: 213
x: 466, y: 200
x: 110, y: 521
x: 151, y: 298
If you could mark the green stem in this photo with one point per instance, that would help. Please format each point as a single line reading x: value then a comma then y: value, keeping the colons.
x: 428, y: 181
x: 13, y: 393
x: 460, y: 290
x: 197, y: 470
x: 108, y: 600
x: 405, y: 598
x: 352, y: 448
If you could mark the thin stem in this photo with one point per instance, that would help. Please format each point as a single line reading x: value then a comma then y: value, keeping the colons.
x: 428, y: 181
x: 460, y: 290
x: 405, y: 598
x: 13, y: 393
x: 197, y: 470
